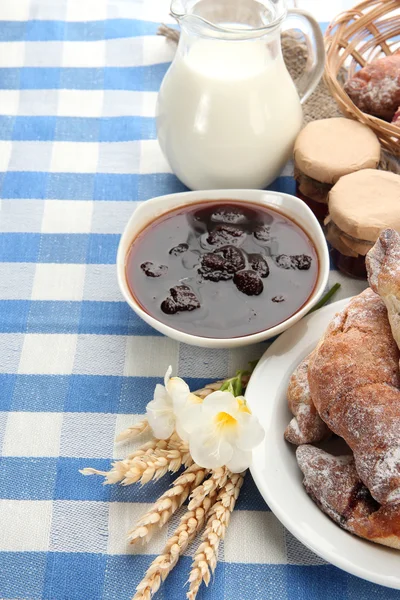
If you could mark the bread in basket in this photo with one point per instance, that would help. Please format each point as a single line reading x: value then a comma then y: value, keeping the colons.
x: 355, y: 38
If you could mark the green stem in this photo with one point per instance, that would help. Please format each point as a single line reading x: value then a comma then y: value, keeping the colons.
x: 253, y: 364
x: 326, y: 298
x: 235, y: 385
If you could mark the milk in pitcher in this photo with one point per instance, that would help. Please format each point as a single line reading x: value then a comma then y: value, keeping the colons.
x: 228, y: 110
x: 228, y: 114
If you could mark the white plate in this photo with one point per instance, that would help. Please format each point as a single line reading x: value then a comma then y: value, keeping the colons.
x: 275, y: 469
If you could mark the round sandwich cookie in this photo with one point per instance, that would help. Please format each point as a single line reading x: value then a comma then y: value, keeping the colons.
x: 361, y: 205
x: 325, y: 151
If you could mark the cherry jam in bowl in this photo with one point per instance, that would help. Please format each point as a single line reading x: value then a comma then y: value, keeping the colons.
x: 222, y: 268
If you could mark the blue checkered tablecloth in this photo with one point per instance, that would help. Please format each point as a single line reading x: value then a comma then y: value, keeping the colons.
x: 78, y: 152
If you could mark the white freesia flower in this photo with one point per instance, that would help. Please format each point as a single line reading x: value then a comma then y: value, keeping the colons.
x: 168, y: 402
x: 185, y: 423
x: 222, y: 431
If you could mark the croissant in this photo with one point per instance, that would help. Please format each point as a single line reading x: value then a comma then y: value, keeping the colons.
x: 354, y: 379
x: 334, y: 485
x: 383, y: 269
x: 306, y: 426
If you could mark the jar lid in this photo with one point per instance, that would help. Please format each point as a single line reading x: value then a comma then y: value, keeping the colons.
x: 330, y: 148
x: 364, y: 203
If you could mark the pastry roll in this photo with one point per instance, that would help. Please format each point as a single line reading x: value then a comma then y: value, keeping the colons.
x: 375, y: 89
x: 354, y: 383
x: 306, y: 426
x: 334, y: 485
x: 383, y: 267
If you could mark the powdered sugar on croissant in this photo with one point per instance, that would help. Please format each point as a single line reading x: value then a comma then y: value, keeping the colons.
x: 354, y: 382
x: 383, y: 268
x: 334, y: 484
x: 375, y: 88
x: 306, y: 426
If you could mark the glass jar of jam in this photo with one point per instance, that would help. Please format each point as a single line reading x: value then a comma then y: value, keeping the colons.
x: 320, y: 209
x: 361, y: 204
x: 327, y: 150
x: 349, y: 265
x: 348, y: 254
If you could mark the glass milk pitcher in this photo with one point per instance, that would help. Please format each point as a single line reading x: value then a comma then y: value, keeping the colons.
x: 228, y: 110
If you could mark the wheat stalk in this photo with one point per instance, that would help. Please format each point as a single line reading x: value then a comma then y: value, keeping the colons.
x: 133, y: 431
x: 215, y: 386
x: 206, y: 556
x: 208, y: 389
x: 176, y: 443
x: 150, y: 461
x: 216, y: 480
x: 167, y: 504
x: 121, y: 467
x: 148, y: 467
x: 155, y: 465
x: 168, y: 32
x: 190, y: 524
x: 212, y: 496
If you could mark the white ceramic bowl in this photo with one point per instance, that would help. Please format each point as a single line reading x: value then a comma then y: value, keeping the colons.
x: 279, y: 479
x: 288, y: 205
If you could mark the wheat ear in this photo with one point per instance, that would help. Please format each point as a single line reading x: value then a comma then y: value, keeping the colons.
x: 155, y: 465
x: 190, y: 524
x: 133, y: 431
x: 217, y: 479
x: 167, y: 504
x: 176, y: 443
x: 168, y: 32
x: 209, y: 388
x: 150, y: 461
x: 121, y: 467
x: 206, y: 556
x: 215, y: 386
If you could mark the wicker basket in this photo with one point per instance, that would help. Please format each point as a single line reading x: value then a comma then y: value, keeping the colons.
x: 355, y: 38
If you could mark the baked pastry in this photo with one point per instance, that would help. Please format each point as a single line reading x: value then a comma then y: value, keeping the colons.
x: 333, y: 483
x: 383, y: 267
x: 354, y: 383
x: 361, y: 205
x: 396, y: 118
x: 375, y: 89
x: 306, y: 426
x: 327, y: 149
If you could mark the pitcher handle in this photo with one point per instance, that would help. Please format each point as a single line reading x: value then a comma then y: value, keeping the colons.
x: 308, y: 81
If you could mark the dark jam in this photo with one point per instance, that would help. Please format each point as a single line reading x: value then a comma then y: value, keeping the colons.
x: 320, y: 209
x: 349, y: 265
x: 341, y: 250
x: 222, y: 269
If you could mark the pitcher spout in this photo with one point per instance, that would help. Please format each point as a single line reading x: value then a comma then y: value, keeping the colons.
x: 178, y: 9
x: 232, y: 19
